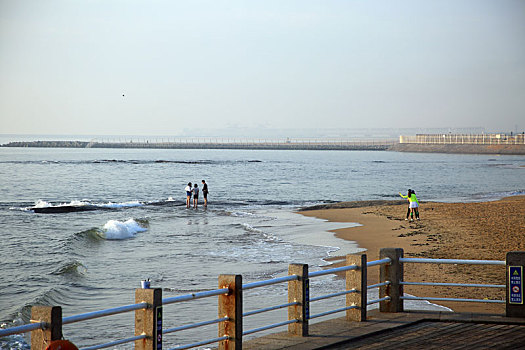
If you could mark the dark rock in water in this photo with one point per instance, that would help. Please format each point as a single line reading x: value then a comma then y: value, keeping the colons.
x: 62, y: 209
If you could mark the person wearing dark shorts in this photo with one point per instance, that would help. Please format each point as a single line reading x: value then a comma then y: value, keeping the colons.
x: 205, y: 192
x: 195, y: 196
x: 188, y: 190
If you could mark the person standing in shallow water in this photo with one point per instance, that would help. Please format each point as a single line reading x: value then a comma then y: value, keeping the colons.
x: 188, y: 190
x: 205, y: 192
x: 195, y: 196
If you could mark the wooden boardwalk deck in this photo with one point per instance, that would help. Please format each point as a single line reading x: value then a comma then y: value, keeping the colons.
x: 443, y: 335
x: 410, y: 330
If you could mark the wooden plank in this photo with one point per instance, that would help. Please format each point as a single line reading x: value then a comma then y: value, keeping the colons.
x: 443, y: 335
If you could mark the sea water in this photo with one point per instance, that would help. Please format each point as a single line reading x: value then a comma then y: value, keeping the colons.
x: 139, y: 227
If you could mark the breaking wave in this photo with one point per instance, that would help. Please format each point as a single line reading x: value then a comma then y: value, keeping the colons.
x: 114, y: 230
x: 118, y: 230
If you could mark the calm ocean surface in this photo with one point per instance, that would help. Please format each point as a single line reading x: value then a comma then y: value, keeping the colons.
x: 92, y: 260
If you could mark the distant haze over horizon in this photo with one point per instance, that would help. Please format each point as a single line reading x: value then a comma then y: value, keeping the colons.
x: 334, y: 68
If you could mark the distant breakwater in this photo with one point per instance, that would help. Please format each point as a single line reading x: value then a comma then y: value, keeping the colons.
x: 249, y: 145
x: 386, y: 145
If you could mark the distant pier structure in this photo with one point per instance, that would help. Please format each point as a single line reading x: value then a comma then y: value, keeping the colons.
x: 430, y: 143
x: 221, y: 143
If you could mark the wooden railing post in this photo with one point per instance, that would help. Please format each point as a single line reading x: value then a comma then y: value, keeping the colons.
x: 515, y: 305
x: 230, y: 305
x: 299, y: 291
x: 356, y: 279
x: 149, y: 321
x: 52, y: 316
x: 392, y: 272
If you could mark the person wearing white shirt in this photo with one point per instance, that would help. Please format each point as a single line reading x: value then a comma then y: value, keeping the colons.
x: 188, y: 190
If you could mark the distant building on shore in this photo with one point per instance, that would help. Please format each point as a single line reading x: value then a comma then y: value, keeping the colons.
x: 462, y: 139
x: 462, y: 143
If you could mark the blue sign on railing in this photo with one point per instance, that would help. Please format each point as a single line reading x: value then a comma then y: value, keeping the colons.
x: 307, y: 298
x: 516, y: 284
x: 158, y: 323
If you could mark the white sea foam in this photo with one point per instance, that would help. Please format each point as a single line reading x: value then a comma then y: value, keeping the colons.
x: 76, y: 203
x: 245, y: 214
x: 118, y: 230
x: 241, y: 214
x: 121, y: 205
x: 250, y: 228
x: 299, y: 229
x: 43, y: 204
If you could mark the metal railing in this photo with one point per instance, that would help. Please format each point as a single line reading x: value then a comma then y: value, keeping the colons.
x: 104, y: 313
x: 195, y: 296
x: 390, y: 299
x: 259, y: 284
x: 452, y: 261
x: 441, y: 284
x: 333, y: 295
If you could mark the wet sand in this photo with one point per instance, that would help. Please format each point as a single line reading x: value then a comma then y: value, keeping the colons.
x: 481, y: 231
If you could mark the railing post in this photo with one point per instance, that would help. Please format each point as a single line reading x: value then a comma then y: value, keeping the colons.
x: 515, y: 305
x: 52, y: 315
x: 230, y: 305
x: 299, y: 291
x: 356, y: 279
x: 149, y: 321
x: 392, y: 272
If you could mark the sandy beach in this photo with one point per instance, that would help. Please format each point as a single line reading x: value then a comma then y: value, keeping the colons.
x: 481, y: 230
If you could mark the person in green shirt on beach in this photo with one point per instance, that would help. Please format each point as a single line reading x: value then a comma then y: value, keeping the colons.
x: 413, y: 206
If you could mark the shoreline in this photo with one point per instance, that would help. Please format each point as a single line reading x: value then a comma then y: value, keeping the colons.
x: 476, y: 230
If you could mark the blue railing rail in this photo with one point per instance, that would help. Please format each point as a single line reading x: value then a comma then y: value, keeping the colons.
x: 395, y: 290
x: 441, y: 284
x: 149, y: 302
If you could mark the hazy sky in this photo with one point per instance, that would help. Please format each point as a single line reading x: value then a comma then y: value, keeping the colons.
x: 159, y: 67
